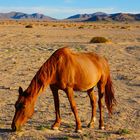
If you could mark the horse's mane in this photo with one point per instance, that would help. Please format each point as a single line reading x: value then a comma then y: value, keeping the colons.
x: 42, y: 77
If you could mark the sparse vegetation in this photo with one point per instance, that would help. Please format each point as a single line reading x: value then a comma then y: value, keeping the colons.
x: 54, y: 25
x: 125, y: 27
x: 81, y: 27
x: 99, y: 40
x: 42, y: 127
x: 63, y: 138
x: 123, y: 131
x: 29, y: 26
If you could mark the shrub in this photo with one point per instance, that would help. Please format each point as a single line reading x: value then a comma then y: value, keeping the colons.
x: 125, y: 27
x: 29, y: 26
x: 81, y: 27
x: 99, y: 40
x: 54, y: 25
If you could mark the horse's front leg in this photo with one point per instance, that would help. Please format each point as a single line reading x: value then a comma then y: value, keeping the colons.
x: 69, y: 92
x: 56, y: 125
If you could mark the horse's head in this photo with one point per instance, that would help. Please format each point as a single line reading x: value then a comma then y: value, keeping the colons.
x: 24, y: 109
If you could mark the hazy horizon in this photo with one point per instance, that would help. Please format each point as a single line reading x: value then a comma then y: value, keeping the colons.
x: 65, y: 8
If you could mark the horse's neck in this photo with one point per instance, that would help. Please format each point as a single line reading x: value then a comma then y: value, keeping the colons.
x: 41, y: 80
x: 34, y: 87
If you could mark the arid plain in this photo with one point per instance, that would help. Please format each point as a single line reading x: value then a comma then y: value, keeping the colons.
x: 24, y: 50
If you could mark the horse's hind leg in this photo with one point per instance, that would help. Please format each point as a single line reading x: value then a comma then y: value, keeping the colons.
x: 92, y: 97
x: 56, y: 125
x: 101, y: 91
x: 69, y: 92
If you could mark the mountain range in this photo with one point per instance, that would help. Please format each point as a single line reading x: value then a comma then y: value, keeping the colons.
x: 98, y: 16
x: 19, y: 15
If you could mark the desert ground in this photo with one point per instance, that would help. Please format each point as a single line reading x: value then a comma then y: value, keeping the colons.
x: 23, y: 51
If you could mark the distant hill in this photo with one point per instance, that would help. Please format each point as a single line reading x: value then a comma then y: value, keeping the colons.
x: 19, y: 15
x: 125, y: 17
x: 86, y: 17
x: 99, y: 16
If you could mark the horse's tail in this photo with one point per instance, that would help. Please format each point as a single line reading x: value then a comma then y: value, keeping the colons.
x: 109, y: 95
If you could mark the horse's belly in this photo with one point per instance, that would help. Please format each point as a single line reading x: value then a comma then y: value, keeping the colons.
x: 87, y: 80
x: 85, y: 85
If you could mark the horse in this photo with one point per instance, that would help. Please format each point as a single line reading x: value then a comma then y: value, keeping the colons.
x: 68, y: 71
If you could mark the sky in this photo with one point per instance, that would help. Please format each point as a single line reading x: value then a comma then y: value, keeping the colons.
x: 64, y: 8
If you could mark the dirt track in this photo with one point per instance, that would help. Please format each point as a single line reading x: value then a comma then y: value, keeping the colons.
x: 23, y: 51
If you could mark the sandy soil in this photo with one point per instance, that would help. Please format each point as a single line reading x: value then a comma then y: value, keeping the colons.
x: 24, y: 50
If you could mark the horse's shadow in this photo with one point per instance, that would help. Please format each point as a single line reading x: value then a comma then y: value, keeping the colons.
x: 5, y: 130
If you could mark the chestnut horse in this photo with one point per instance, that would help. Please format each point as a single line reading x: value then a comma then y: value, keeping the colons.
x: 68, y: 71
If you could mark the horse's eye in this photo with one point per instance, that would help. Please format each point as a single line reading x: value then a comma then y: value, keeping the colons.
x: 19, y: 106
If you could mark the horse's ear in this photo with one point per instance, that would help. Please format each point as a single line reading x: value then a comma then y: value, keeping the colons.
x: 20, y: 90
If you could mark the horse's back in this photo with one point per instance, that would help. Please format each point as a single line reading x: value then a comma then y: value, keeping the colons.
x: 82, y: 71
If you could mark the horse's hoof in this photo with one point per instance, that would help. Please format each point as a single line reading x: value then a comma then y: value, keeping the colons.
x: 55, y: 128
x: 79, y: 131
x: 90, y: 125
x: 102, y: 127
